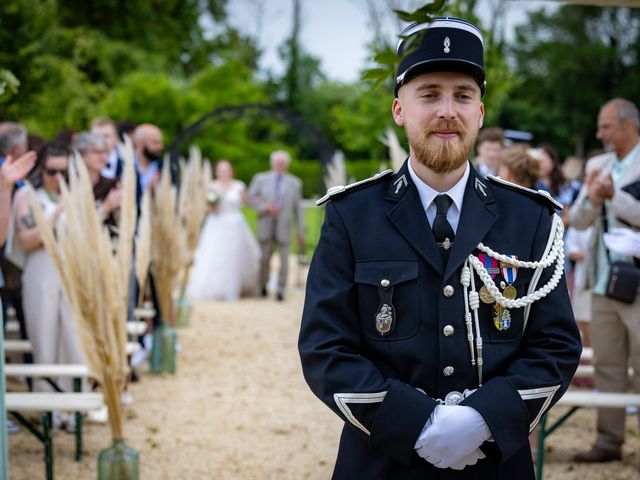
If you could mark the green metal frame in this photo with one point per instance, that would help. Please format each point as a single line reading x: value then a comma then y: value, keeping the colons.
x: 4, y: 449
x: 44, y: 435
x: 544, y: 433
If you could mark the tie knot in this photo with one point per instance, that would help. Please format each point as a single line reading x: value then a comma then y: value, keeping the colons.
x: 443, y: 202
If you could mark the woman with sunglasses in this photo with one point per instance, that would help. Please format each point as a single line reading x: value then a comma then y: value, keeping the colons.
x: 48, y: 316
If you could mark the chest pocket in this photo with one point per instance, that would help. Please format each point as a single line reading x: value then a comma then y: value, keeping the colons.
x: 487, y: 313
x: 393, y: 283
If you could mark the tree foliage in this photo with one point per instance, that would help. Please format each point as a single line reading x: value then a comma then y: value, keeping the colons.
x: 568, y: 64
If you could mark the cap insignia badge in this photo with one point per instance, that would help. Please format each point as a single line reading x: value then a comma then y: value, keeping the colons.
x: 447, y: 44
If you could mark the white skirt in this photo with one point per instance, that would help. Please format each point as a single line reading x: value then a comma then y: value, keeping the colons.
x: 227, y: 259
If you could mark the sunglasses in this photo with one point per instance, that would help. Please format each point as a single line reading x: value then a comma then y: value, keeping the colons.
x: 52, y: 171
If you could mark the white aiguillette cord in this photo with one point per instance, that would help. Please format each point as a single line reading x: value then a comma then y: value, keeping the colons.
x: 471, y: 298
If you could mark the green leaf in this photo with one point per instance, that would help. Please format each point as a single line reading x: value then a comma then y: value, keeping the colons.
x: 406, y: 16
x: 376, y: 74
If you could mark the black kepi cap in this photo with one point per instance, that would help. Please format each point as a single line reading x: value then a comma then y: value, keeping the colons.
x: 446, y: 44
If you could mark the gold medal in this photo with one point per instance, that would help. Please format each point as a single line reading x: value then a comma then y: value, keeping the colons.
x: 485, y: 296
x: 497, y: 320
x: 510, y: 292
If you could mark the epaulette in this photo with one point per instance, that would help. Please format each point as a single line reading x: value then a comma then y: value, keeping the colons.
x: 540, y: 195
x: 340, y: 189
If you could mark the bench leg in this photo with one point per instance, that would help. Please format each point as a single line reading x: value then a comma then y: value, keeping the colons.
x: 48, y: 444
x: 542, y: 433
x: 77, y: 387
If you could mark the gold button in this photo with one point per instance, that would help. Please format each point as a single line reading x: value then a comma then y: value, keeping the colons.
x: 384, y: 282
x: 448, y: 330
x: 448, y: 291
x: 447, y: 371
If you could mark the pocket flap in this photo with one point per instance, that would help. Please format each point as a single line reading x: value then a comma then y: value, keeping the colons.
x: 372, y: 272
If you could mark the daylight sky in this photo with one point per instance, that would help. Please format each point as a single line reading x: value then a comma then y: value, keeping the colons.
x: 336, y: 31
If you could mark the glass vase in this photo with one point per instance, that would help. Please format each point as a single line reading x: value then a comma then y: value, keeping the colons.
x: 183, y: 312
x: 118, y: 462
x: 163, y: 350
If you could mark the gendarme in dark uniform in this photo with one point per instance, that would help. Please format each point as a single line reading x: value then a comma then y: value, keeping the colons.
x: 440, y: 338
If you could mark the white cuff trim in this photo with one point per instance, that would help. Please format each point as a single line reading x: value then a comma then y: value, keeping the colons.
x: 343, y: 399
x: 534, y: 393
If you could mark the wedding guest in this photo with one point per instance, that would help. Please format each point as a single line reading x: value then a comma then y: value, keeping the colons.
x: 489, y: 145
x: 105, y: 127
x: 50, y: 324
x: 276, y: 196
x: 226, y: 261
x: 517, y: 166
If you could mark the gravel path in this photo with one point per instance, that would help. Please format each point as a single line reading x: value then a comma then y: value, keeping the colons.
x: 238, y: 408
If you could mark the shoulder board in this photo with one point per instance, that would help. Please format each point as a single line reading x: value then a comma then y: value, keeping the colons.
x: 540, y: 195
x: 339, y: 189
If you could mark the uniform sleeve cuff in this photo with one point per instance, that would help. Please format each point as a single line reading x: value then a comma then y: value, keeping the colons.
x: 399, y: 421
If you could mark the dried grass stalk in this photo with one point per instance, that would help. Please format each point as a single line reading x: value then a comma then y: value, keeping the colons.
x: 143, y: 242
x: 196, y: 176
x: 168, y: 242
x: 94, y: 277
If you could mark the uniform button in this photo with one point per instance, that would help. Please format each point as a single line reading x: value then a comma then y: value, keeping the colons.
x: 448, y: 291
x: 447, y: 371
x: 448, y: 330
x: 384, y: 282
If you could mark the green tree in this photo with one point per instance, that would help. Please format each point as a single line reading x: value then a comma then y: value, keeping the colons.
x: 568, y: 63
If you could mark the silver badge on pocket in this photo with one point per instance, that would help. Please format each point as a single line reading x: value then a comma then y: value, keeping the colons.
x: 384, y: 319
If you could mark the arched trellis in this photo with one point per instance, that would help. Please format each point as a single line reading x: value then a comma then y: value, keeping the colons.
x: 324, y: 145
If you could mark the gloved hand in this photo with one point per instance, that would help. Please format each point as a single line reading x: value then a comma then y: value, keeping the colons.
x: 452, y: 436
x: 470, y: 459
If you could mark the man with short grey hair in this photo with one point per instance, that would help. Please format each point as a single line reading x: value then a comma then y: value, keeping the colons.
x: 276, y: 196
x: 610, y: 198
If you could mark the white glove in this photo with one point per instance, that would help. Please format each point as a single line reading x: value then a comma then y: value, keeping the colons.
x: 453, y: 436
x: 470, y: 459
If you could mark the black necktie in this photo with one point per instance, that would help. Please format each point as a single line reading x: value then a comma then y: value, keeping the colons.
x: 441, y: 228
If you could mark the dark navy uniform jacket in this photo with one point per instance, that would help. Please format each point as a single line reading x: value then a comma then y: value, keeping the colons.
x: 386, y: 387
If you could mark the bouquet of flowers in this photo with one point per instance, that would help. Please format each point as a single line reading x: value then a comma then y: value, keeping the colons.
x: 213, y: 197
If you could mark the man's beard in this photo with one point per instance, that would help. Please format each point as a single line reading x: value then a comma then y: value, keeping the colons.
x: 443, y: 155
x: 152, y: 156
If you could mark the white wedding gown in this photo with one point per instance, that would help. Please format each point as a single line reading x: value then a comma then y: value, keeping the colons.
x: 227, y: 260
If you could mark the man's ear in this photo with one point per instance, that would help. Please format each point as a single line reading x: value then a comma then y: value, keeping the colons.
x: 481, y: 122
x: 396, y: 111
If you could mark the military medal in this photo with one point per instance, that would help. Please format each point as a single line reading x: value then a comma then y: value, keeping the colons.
x: 485, y: 296
x: 508, y: 270
x: 490, y: 263
x: 385, y: 316
x: 384, y: 319
x: 510, y: 292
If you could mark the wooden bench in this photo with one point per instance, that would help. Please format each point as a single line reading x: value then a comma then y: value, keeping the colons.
x: 24, y: 346
x: 17, y: 346
x: 46, y: 403
x: 576, y: 400
x: 49, y: 373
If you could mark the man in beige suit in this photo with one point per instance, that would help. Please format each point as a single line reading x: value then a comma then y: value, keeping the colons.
x: 615, y: 326
x: 276, y: 196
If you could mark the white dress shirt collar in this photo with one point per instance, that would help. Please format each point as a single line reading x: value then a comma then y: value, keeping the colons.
x: 428, y: 194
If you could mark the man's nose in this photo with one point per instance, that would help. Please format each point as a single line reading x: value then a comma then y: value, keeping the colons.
x: 446, y: 108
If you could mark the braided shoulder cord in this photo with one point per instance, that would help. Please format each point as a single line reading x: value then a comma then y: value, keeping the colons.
x: 544, y: 262
x: 556, y: 253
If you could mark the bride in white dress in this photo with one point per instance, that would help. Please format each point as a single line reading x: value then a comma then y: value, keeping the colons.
x: 226, y: 262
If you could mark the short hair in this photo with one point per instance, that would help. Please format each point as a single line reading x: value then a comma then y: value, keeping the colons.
x: 626, y: 109
x: 125, y: 127
x: 524, y: 167
x: 11, y: 134
x: 275, y: 153
x: 87, y: 141
x: 101, y: 122
x: 491, y: 134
